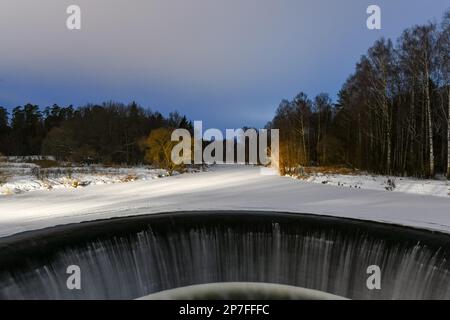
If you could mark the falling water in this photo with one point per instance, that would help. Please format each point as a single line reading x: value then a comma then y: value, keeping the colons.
x: 132, y: 257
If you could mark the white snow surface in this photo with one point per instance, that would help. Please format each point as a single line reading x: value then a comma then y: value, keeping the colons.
x: 20, y: 177
x: 222, y: 188
x: 439, y: 188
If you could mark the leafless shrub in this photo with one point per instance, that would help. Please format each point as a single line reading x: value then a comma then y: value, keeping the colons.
x: 3, y: 178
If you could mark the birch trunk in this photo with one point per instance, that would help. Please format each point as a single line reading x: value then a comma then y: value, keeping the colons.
x: 448, y: 133
x: 430, y: 123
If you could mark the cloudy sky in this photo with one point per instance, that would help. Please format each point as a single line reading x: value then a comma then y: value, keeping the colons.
x: 226, y: 62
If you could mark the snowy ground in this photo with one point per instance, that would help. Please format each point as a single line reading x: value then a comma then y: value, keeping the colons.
x: 223, y: 188
x: 25, y: 177
x: 439, y: 188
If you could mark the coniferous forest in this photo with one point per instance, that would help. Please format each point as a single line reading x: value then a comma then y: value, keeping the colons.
x: 110, y: 133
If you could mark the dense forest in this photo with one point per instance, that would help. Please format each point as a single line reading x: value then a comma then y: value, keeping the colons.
x: 110, y: 133
x: 392, y: 114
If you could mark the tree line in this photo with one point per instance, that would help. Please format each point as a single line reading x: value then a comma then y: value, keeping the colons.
x: 109, y: 133
x: 391, y: 116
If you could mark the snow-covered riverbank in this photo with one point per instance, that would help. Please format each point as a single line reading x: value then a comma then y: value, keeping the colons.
x: 21, y: 178
x: 25, y: 177
x: 433, y: 187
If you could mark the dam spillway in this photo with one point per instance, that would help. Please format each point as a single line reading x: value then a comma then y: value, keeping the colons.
x: 128, y: 258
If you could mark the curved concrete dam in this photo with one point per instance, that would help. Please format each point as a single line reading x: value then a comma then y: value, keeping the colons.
x: 132, y: 257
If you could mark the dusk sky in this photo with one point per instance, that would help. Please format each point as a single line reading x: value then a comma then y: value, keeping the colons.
x: 226, y: 62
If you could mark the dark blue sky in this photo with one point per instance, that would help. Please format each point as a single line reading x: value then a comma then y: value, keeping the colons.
x: 226, y: 62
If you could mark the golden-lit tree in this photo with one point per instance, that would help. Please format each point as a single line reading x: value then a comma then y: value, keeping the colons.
x: 158, y: 147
